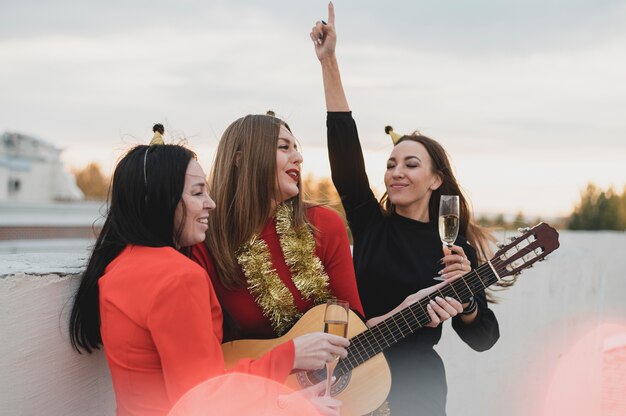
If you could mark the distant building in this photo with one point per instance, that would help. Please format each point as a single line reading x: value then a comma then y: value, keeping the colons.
x: 31, y: 171
x: 41, y: 208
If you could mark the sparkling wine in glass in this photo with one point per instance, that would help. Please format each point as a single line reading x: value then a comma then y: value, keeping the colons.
x: 336, y: 323
x: 448, y: 221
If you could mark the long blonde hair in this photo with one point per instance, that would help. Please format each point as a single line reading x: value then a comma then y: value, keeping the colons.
x: 243, y: 184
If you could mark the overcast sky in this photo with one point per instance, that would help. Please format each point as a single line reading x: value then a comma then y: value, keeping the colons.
x: 527, y: 96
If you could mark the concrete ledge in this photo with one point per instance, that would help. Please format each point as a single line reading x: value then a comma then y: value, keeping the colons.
x: 41, y: 373
x: 63, y: 264
x: 69, y: 246
x: 553, y: 307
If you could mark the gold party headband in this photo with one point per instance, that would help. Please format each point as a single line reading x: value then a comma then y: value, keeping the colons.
x: 394, y: 136
x: 157, y: 139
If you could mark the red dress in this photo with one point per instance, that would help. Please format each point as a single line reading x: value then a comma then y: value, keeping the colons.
x: 331, y: 246
x: 161, y: 327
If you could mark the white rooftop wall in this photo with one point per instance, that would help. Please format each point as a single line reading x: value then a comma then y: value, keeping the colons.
x: 41, y: 374
x: 551, y: 308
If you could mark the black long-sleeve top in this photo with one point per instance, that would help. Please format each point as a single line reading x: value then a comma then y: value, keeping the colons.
x: 394, y: 256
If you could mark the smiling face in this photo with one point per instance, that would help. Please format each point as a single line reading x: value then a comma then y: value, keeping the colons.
x: 193, y: 209
x: 288, y: 161
x: 410, y: 179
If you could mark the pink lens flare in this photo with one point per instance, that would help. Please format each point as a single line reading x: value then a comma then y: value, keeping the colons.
x: 242, y: 394
x: 590, y: 379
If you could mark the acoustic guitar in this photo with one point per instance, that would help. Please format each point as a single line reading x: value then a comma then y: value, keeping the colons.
x: 363, y: 378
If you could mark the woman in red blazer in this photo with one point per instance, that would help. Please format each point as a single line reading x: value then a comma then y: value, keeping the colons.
x: 153, y: 309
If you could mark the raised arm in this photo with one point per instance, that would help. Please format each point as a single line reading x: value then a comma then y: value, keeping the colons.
x: 344, y: 149
x: 324, y: 38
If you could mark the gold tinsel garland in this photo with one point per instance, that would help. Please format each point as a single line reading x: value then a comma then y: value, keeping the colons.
x: 298, y: 246
x: 307, y: 272
x: 265, y: 285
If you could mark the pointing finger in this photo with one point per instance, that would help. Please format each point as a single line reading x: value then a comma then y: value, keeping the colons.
x: 331, y: 14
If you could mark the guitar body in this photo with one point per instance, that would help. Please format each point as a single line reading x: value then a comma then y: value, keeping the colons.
x: 361, y: 391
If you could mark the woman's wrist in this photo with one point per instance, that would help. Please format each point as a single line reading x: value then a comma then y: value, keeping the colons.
x: 329, y: 60
x: 333, y: 88
x: 471, y: 307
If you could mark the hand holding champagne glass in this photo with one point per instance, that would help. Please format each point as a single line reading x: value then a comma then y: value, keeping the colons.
x: 448, y: 221
x: 336, y: 323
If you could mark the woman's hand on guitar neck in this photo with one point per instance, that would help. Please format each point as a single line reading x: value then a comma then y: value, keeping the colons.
x: 439, y: 310
x: 314, y: 350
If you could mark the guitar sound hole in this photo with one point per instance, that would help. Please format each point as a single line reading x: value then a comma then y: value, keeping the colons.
x: 309, y: 378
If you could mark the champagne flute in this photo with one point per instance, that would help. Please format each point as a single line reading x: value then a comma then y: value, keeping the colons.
x: 448, y: 221
x: 336, y: 323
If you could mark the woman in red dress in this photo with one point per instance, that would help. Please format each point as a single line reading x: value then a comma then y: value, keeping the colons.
x: 271, y: 256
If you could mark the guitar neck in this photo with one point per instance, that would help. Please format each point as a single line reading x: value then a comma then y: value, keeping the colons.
x: 402, y: 324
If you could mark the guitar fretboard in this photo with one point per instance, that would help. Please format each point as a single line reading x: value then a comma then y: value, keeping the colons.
x: 397, y: 327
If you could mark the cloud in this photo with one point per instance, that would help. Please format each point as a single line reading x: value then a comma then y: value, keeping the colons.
x: 508, y: 80
x: 477, y: 27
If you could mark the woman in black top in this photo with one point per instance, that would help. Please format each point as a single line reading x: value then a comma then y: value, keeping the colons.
x: 397, y: 249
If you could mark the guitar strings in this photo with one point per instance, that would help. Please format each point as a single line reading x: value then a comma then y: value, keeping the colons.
x: 408, y: 323
x: 415, y: 322
x: 369, y: 343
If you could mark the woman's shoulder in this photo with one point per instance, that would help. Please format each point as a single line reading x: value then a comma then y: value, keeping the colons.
x: 170, y: 263
x: 159, y: 266
x: 324, y: 217
x: 158, y: 254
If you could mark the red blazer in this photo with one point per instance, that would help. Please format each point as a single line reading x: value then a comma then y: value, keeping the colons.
x: 161, y: 327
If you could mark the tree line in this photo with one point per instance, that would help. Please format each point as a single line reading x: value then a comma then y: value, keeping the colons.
x: 598, y: 209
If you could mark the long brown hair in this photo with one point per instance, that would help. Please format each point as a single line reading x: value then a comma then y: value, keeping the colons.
x: 479, y: 237
x: 243, y: 184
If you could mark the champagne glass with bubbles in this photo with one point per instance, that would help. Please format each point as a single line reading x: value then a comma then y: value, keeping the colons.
x: 448, y: 221
x: 336, y: 323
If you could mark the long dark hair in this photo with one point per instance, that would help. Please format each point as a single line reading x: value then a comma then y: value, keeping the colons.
x: 147, y: 186
x: 478, y: 236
